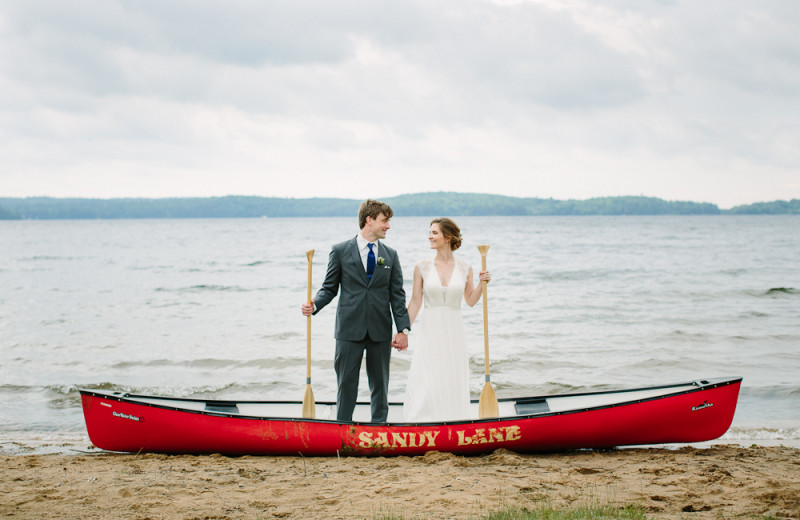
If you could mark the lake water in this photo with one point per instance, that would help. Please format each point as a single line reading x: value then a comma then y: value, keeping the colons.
x: 211, y: 309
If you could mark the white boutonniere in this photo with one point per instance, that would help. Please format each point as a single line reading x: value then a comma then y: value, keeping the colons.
x: 381, y: 260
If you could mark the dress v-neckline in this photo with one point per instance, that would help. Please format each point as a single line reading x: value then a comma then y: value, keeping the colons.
x: 439, y: 276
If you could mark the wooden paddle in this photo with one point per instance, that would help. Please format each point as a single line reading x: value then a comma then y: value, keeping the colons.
x: 487, y: 406
x: 308, y: 398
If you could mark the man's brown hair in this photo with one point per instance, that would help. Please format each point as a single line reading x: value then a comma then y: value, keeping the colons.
x: 372, y: 208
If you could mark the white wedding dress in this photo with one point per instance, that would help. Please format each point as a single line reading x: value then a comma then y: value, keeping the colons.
x: 437, y: 388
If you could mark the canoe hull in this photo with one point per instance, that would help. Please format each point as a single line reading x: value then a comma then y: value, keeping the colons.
x: 118, y: 422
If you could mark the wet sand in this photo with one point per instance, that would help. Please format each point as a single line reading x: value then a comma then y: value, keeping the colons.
x: 724, y: 481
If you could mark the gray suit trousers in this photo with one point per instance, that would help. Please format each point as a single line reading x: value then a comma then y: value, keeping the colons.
x: 347, y: 362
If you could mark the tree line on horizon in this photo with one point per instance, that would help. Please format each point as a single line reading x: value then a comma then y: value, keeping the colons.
x: 420, y: 204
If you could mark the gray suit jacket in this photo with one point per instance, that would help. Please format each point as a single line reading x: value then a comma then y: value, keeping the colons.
x: 365, y: 306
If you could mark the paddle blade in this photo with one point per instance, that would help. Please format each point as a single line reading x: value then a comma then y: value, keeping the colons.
x: 487, y: 406
x: 308, y: 404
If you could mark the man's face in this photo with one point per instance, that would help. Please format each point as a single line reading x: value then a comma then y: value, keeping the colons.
x: 377, y: 227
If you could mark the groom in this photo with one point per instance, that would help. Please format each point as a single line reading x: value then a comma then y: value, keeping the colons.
x: 371, y: 281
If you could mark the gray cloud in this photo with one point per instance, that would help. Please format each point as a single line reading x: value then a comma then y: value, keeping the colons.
x: 457, y: 87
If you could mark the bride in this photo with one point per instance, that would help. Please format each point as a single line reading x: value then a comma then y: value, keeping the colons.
x: 438, y: 381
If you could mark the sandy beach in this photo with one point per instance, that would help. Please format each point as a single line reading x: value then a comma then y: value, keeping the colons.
x: 723, y: 481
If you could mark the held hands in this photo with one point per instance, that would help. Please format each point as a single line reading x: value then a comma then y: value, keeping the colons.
x: 400, y: 341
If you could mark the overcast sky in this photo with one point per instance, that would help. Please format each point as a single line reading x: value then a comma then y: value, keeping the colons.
x: 684, y: 100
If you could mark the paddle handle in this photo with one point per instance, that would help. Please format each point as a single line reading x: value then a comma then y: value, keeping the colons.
x: 484, y: 249
x: 310, y: 255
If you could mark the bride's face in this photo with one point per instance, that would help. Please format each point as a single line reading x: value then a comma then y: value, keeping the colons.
x: 436, y: 238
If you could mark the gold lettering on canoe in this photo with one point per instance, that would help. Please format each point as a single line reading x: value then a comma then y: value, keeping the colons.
x: 494, y: 435
x: 431, y: 436
x: 382, y: 440
x: 513, y: 433
x: 398, y: 439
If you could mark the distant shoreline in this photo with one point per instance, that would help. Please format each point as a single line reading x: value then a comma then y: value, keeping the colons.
x: 419, y: 204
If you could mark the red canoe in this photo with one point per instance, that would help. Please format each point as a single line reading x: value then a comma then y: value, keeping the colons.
x: 678, y: 413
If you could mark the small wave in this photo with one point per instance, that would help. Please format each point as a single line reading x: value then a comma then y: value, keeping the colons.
x: 570, y: 276
x: 65, y: 403
x: 67, y: 396
x: 578, y: 275
x: 213, y: 363
x: 222, y: 288
x: 150, y: 267
x: 203, y: 288
x: 685, y: 334
x: 188, y: 391
x: 548, y: 388
x: 14, y: 389
x: 781, y: 290
x: 257, y: 263
x: 772, y: 392
x: 760, y: 434
x: 497, y: 364
x: 666, y: 365
x: 217, y: 363
x: 282, y: 362
x: 267, y: 364
x: 126, y: 365
x: 197, y: 363
x: 172, y: 391
x: 279, y: 336
x: 73, y: 389
x: 519, y: 335
x: 788, y: 338
x: 753, y: 314
x: 733, y: 272
x: 40, y: 258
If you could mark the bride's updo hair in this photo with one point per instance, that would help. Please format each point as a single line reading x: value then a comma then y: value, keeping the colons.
x: 450, y: 231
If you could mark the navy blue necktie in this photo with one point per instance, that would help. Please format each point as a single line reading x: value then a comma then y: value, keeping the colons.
x: 370, y: 262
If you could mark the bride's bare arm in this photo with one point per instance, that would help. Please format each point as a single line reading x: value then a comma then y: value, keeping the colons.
x: 472, y: 293
x: 416, y: 296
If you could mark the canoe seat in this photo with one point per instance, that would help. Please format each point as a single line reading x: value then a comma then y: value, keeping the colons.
x: 222, y: 407
x: 531, y: 406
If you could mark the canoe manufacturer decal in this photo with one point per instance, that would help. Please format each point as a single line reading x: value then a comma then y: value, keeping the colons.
x: 705, y: 404
x: 127, y: 416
